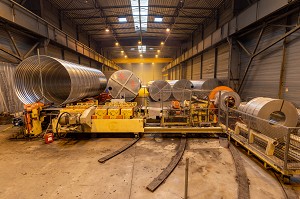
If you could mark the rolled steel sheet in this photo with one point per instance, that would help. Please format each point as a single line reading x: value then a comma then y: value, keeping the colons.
x: 227, y: 97
x: 206, y: 84
x: 124, y: 84
x: 277, y: 112
x: 160, y: 90
x: 181, y: 89
x: 52, y: 80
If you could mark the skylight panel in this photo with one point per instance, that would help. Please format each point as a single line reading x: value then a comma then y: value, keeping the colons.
x: 140, y: 16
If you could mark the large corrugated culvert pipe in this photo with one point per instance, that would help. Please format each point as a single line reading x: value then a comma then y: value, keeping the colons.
x: 52, y: 80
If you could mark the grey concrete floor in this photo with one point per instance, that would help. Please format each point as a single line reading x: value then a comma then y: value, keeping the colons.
x: 69, y: 169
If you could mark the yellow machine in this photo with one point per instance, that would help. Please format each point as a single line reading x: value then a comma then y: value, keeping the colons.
x: 33, y: 118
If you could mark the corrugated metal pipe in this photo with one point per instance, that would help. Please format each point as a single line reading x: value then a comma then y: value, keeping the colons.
x: 51, y: 80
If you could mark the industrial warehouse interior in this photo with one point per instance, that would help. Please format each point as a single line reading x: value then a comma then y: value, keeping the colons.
x: 162, y: 99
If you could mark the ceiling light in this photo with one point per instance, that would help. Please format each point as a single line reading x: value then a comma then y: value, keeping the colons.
x: 151, y: 48
x: 122, y: 51
x: 122, y: 19
x: 156, y: 56
x: 125, y: 56
x: 106, y: 29
x: 132, y: 48
x: 152, y: 63
x: 117, y: 44
x: 141, y: 55
x: 158, y: 19
x: 139, y: 42
x: 168, y: 29
x: 162, y: 43
x: 158, y: 51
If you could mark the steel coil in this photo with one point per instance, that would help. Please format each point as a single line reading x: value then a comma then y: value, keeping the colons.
x: 160, y: 90
x: 52, y: 80
x: 181, y: 89
x: 275, y: 114
x: 227, y: 99
x: 124, y: 84
x: 206, y: 84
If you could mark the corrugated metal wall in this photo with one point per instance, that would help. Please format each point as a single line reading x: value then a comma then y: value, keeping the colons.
x: 222, y: 62
x: 9, y: 102
x: 208, y: 64
x: 264, y: 73
x: 196, y: 67
x: 189, y: 69
x: 291, y: 88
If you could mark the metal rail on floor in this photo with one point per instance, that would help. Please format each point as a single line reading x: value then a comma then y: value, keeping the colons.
x: 117, y: 152
x: 183, y: 130
x: 168, y: 170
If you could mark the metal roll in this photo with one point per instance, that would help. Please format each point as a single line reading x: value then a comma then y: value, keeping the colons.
x: 181, y: 89
x: 160, y: 90
x: 124, y: 84
x: 52, y: 80
x: 276, y: 112
x: 206, y: 84
x: 227, y: 98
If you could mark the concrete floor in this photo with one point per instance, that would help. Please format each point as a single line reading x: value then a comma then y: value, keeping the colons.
x: 69, y: 169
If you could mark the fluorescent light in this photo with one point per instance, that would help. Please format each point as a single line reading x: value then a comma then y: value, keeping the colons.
x: 158, y: 19
x: 132, y: 48
x: 140, y: 16
x: 122, y: 19
x: 151, y: 48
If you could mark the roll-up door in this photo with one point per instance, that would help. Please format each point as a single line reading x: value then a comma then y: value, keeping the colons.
x: 208, y: 64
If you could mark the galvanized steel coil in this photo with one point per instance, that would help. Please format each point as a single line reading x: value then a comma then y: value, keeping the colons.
x: 206, y: 84
x: 159, y: 90
x: 181, y: 89
x: 275, y: 114
x: 52, y: 80
x: 226, y: 99
x: 124, y: 84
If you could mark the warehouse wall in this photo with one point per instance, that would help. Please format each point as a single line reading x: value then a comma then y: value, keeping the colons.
x: 9, y: 101
x: 263, y: 78
x: 146, y: 72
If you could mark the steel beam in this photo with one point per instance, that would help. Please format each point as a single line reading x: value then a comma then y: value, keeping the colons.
x: 142, y: 60
x: 150, y: 15
x: 15, y: 14
x: 129, y: 7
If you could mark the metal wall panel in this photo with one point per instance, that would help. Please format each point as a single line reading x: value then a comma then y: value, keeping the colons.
x: 9, y: 102
x: 208, y: 64
x: 71, y: 57
x: 196, y: 67
x: 291, y: 88
x: 189, y: 69
x: 54, y: 51
x: 263, y: 76
x: 222, y: 62
x: 84, y: 61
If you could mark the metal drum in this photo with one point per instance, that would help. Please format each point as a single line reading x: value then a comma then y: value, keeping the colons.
x: 51, y: 80
x: 206, y: 84
x: 274, y: 112
x: 181, y: 89
x: 160, y: 90
x: 124, y: 84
